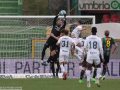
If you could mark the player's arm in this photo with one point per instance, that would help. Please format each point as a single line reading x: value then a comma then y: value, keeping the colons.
x: 73, y: 48
x: 58, y: 43
x: 52, y: 35
x: 64, y: 22
x: 101, y: 49
x: 85, y: 45
x: 116, y: 45
x: 55, y: 19
x: 81, y: 29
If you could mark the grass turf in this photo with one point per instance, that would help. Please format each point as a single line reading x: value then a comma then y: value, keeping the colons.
x: 59, y: 84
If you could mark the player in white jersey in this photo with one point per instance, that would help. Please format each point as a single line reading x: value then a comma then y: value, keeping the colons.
x: 94, y: 44
x: 75, y: 35
x: 81, y: 41
x: 77, y: 31
x: 65, y: 43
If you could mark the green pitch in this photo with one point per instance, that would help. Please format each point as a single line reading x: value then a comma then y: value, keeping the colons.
x: 59, y: 84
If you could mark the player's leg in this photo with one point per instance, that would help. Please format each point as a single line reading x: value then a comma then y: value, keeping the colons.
x: 98, y: 65
x: 89, y: 66
x: 80, y: 66
x: 80, y: 62
x: 61, y: 60
x: 84, y: 65
x: 79, y: 49
x: 46, y: 45
x: 105, y: 66
x: 57, y: 70
x: 94, y: 74
x: 57, y: 62
x: 77, y: 56
x: 65, y: 65
x: 52, y: 68
x: 51, y: 56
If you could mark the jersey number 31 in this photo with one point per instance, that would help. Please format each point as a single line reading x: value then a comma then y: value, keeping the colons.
x: 65, y: 43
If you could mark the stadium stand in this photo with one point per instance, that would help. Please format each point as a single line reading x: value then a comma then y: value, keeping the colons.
x: 105, y: 18
x: 10, y: 7
x: 119, y: 18
x: 114, y: 18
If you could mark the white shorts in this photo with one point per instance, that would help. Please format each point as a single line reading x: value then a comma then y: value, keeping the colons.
x: 82, y: 57
x: 96, y: 61
x: 75, y: 40
x: 63, y: 58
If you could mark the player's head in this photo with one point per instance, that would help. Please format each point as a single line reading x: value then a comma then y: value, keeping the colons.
x: 59, y: 23
x: 62, y: 32
x: 107, y: 33
x: 79, y: 22
x: 66, y: 32
x: 94, y: 30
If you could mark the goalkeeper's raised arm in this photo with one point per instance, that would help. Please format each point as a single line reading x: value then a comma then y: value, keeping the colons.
x: 55, y: 19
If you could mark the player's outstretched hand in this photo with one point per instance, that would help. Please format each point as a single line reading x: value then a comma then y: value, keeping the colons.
x: 103, y: 60
x: 84, y: 28
x: 113, y: 52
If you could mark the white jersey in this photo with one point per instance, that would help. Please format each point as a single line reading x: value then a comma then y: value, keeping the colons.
x: 94, y: 43
x: 65, y: 45
x: 82, y: 41
x: 76, y: 31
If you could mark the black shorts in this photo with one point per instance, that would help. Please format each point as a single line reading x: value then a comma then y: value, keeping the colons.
x: 106, y: 59
x: 51, y: 42
x: 56, y: 56
x: 57, y: 50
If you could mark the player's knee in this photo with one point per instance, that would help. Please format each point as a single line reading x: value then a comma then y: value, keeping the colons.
x: 98, y: 66
x: 84, y: 69
x: 104, y: 66
x: 80, y: 64
x: 65, y: 62
x: 53, y: 53
x: 45, y: 46
x: 61, y: 63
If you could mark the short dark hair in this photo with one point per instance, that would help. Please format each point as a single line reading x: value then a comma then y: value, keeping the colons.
x: 94, y: 30
x: 62, y: 30
x: 107, y: 32
x: 66, y: 32
x: 79, y: 21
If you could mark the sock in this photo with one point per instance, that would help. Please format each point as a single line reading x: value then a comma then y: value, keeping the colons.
x: 80, y: 68
x: 98, y: 74
x: 52, y: 68
x: 62, y: 68
x: 58, y: 67
x: 65, y: 68
x: 49, y: 59
x: 88, y: 75
x: 94, y: 74
x: 81, y: 75
x: 104, y: 69
x: 77, y: 56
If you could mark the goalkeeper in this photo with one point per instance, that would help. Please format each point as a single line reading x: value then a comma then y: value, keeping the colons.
x: 57, y: 27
